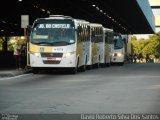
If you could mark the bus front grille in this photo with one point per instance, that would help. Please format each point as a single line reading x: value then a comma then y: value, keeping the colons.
x: 51, y: 55
x: 51, y: 62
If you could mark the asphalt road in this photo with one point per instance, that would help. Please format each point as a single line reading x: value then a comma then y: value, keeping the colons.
x: 132, y: 88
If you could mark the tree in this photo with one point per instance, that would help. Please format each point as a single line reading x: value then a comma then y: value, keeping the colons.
x: 1, y: 44
x: 133, y: 38
x: 147, y: 46
x: 4, y: 41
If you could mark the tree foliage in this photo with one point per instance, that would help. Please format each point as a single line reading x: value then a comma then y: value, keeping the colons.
x: 1, y: 43
x: 149, y: 46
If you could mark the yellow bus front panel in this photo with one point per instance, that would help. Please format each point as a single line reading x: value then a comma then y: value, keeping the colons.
x: 45, y: 56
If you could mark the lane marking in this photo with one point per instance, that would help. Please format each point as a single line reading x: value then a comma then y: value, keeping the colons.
x: 153, y: 87
x: 145, y: 76
x: 7, y: 78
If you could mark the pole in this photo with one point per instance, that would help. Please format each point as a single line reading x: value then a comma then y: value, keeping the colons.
x: 25, y: 34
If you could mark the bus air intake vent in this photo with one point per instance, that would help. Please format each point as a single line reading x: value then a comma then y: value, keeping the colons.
x: 51, y: 55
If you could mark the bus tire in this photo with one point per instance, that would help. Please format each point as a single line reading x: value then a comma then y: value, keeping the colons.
x: 108, y: 64
x: 35, y: 70
x: 83, y: 68
x: 75, y: 69
x: 89, y: 67
x: 103, y: 65
x: 97, y: 65
x: 121, y: 64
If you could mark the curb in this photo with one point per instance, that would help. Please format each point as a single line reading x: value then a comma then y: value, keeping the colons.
x: 15, y: 73
x: 6, y: 75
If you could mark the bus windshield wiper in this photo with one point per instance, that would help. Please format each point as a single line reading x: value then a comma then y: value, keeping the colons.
x: 43, y: 43
x: 117, y: 47
x: 61, y: 42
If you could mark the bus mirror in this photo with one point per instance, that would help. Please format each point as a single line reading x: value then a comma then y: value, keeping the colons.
x: 93, y: 34
x: 125, y: 41
x: 88, y: 28
x: 29, y: 28
x: 79, y: 29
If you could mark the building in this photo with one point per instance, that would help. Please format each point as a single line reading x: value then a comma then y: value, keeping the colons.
x: 155, y: 5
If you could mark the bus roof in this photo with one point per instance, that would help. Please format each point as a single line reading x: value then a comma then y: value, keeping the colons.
x: 81, y: 20
x: 95, y: 24
x: 59, y: 17
x: 62, y: 17
x: 107, y: 29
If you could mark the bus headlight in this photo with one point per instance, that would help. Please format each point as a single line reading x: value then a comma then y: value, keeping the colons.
x: 37, y: 54
x: 69, y: 54
x: 119, y: 54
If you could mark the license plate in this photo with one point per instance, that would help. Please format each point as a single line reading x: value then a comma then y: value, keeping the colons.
x: 51, y: 59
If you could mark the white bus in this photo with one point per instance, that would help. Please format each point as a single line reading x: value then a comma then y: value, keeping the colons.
x: 108, y: 46
x: 96, y: 45
x: 59, y: 42
x: 118, y: 55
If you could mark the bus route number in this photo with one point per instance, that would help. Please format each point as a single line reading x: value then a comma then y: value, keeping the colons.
x: 58, y: 49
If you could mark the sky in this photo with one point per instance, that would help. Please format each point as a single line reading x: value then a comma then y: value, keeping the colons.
x: 145, y: 36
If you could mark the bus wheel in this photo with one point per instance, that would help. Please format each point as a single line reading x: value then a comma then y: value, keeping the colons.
x: 103, y: 65
x: 83, y: 69
x: 89, y: 67
x: 108, y: 64
x: 121, y: 64
x: 97, y: 65
x: 74, y: 70
x: 35, y: 70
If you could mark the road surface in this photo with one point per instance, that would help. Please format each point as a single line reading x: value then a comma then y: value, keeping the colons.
x: 132, y: 88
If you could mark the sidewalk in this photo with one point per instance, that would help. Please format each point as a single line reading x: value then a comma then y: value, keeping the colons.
x: 11, y: 72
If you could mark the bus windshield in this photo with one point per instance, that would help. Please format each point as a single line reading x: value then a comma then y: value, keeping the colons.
x: 53, y: 33
x: 118, y: 43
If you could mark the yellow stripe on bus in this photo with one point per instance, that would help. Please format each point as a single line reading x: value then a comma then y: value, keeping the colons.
x: 35, y: 48
x: 94, y: 52
x: 79, y: 52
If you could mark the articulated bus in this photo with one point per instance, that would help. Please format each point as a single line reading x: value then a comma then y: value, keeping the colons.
x: 109, y: 40
x: 59, y: 42
x: 96, y: 48
x: 118, y: 55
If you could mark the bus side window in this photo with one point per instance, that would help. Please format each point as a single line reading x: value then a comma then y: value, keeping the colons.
x: 106, y: 37
x: 85, y: 34
x: 82, y: 33
x: 101, y: 33
x: 88, y: 32
x: 96, y: 33
x: 28, y: 32
x: 93, y: 36
x: 93, y: 33
x: 79, y: 33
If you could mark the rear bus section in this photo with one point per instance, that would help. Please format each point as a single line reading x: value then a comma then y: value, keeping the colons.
x: 97, y: 44
x: 108, y: 37
x: 82, y: 44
